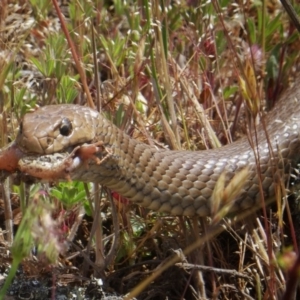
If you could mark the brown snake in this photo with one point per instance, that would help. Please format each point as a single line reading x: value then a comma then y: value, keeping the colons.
x: 175, y: 182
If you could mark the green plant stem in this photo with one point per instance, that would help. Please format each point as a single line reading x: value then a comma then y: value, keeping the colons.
x: 12, y: 272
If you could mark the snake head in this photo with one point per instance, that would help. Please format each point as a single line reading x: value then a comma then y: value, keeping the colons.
x: 56, y: 128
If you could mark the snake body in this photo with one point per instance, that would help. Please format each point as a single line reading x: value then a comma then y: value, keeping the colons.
x: 174, y: 182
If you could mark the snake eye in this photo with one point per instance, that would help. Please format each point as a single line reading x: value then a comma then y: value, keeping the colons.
x: 65, y: 127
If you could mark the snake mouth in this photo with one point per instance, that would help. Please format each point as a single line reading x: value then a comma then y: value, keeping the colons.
x: 53, y: 166
x: 60, y: 165
x: 50, y: 167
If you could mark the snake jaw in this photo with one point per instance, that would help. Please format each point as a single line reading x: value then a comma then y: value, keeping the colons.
x: 50, y: 167
x: 59, y: 166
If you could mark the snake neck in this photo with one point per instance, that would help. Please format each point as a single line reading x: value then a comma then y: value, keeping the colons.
x: 183, y: 182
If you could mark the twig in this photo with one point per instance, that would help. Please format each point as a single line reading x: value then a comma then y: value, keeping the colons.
x: 215, y: 270
x: 292, y: 13
x: 74, y: 55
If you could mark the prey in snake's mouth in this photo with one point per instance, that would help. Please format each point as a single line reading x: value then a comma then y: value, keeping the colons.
x: 59, y: 166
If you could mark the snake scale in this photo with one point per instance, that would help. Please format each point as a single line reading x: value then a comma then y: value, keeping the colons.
x: 174, y: 182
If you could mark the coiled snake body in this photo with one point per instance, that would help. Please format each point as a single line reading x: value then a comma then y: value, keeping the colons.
x: 175, y: 182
